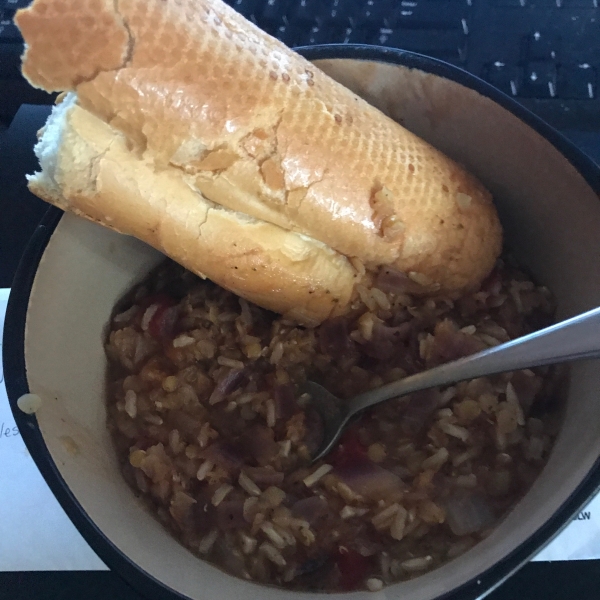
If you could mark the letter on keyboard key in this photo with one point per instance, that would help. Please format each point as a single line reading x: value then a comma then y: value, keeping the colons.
x: 288, y: 34
x: 443, y: 44
x: 539, y: 80
x: 248, y: 8
x: 307, y: 11
x: 328, y: 33
x: 577, y: 82
x: 362, y: 35
x: 427, y: 14
x: 371, y: 12
x: 541, y: 46
x: 273, y: 10
x: 506, y: 78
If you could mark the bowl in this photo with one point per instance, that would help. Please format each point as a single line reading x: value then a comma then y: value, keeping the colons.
x: 73, y: 272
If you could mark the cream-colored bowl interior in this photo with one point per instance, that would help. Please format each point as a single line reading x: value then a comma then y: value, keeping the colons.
x: 552, y: 220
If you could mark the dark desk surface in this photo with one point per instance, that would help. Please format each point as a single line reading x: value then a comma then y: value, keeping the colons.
x: 20, y: 212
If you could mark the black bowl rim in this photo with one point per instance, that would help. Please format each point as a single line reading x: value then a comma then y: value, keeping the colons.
x: 16, y: 375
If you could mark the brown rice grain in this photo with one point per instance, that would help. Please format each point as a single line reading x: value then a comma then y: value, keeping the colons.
x: 374, y: 584
x: 276, y: 354
x: 488, y: 339
x: 513, y: 399
x: 272, y: 554
x: 284, y: 448
x: 248, y: 543
x: 182, y: 341
x: 221, y: 493
x: 399, y: 523
x: 314, y: 477
x: 277, y: 540
x: 204, y: 469
x: 208, y: 541
x: 345, y: 491
x: 383, y: 519
x: 250, y: 508
x: 148, y: 314
x: 435, y: 461
x: 230, y: 362
x: 458, y: 432
x: 416, y: 564
x: 248, y: 485
x: 131, y: 403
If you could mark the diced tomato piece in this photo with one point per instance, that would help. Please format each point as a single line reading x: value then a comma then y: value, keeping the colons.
x: 353, y: 568
x: 349, y: 449
x: 162, y: 323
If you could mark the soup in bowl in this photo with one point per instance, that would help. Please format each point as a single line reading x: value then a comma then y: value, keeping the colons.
x: 172, y: 428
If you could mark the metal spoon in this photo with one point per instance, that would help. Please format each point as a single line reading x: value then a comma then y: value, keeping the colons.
x: 574, y: 339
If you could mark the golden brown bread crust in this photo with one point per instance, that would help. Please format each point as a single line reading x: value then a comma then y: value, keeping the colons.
x: 95, y: 176
x: 258, y: 129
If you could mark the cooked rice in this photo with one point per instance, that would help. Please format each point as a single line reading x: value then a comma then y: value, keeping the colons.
x: 248, y: 485
x: 313, y: 478
x: 212, y: 432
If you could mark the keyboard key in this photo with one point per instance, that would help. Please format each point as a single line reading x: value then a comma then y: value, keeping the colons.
x: 447, y: 45
x: 507, y: 78
x: 271, y: 26
x: 577, y: 82
x: 539, y: 80
x: 9, y: 31
x: 343, y: 9
x: 328, y: 33
x: 273, y: 10
x: 541, y: 46
x: 289, y: 34
x: 339, y: 11
x: 15, y: 4
x: 371, y: 12
x: 306, y: 11
x: 248, y: 8
x: 362, y: 35
x: 429, y: 15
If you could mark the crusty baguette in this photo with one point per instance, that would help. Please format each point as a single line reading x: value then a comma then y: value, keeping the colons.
x: 198, y: 90
x: 85, y: 160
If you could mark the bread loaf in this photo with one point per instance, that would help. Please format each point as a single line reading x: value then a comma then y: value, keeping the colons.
x: 88, y: 169
x: 196, y: 94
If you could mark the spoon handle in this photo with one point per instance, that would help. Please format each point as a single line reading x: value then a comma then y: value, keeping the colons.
x: 573, y: 339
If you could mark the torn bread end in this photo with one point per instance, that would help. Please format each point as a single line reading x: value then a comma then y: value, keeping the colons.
x: 88, y: 169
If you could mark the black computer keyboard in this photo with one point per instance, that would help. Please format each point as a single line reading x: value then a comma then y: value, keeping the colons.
x: 545, y: 53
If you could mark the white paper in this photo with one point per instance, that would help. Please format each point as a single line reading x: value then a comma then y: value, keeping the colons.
x: 37, y: 535
x: 580, y: 540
